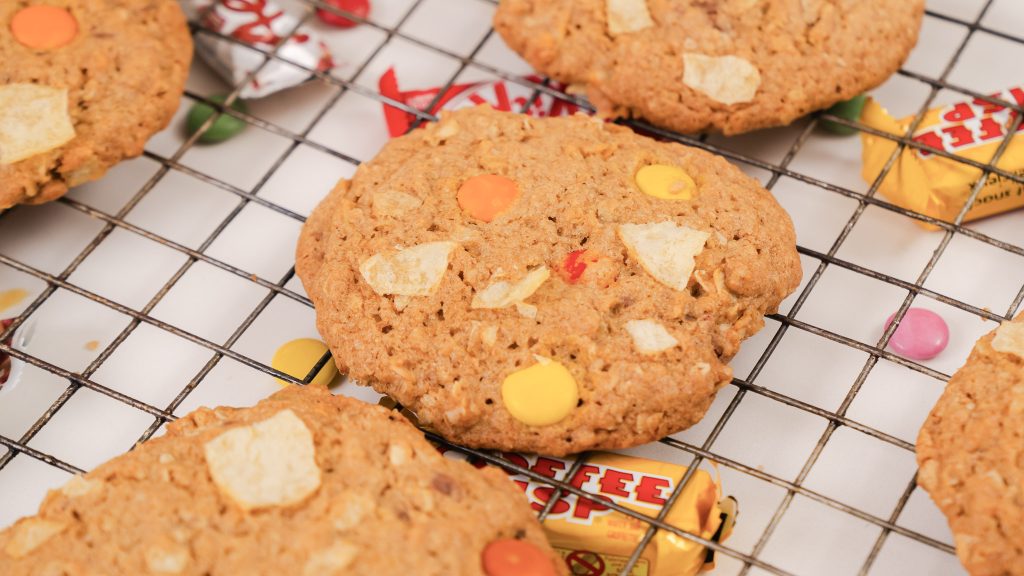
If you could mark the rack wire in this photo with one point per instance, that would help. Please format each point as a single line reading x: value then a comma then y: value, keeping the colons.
x: 276, y: 287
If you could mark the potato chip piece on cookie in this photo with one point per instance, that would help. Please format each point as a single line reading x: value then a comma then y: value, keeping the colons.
x: 33, y: 119
x: 503, y: 294
x: 270, y: 463
x: 1010, y: 338
x: 413, y: 271
x: 665, y: 250
x: 30, y: 534
x: 726, y: 79
x: 626, y: 16
x: 649, y: 336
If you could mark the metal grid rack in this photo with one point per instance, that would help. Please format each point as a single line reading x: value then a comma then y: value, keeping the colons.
x: 275, y: 288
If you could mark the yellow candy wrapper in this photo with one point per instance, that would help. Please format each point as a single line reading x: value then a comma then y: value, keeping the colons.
x: 939, y: 187
x: 596, y: 540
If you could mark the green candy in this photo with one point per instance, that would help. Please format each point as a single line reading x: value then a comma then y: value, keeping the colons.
x: 849, y: 110
x: 223, y: 128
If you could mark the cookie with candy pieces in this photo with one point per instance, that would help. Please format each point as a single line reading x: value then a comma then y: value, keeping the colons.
x: 713, y: 65
x: 545, y: 285
x: 83, y: 85
x: 971, y: 454
x: 302, y: 483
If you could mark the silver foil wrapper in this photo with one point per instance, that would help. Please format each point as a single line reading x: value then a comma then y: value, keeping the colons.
x: 261, y: 24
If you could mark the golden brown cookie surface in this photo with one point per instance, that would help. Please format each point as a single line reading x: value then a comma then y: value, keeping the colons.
x: 115, y: 71
x: 971, y: 454
x: 568, y: 310
x: 723, y: 65
x: 302, y: 483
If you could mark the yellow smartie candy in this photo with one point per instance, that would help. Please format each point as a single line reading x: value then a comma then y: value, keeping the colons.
x: 298, y: 357
x: 665, y: 182
x: 542, y: 394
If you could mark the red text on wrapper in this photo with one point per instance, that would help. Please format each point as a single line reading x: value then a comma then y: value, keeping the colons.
x: 253, y: 21
x: 604, y: 482
x: 502, y: 95
x: 965, y: 125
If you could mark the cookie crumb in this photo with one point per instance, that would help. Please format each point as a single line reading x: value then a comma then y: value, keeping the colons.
x: 163, y: 561
x: 80, y: 486
x: 398, y: 454
x: 393, y: 203
x: 332, y: 560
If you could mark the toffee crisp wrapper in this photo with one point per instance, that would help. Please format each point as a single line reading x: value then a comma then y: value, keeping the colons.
x: 939, y: 187
x: 596, y: 540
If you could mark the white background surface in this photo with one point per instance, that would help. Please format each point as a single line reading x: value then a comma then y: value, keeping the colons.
x: 153, y: 365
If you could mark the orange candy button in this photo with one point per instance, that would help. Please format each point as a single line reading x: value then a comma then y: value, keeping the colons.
x: 516, y: 558
x: 44, y: 27
x: 484, y: 197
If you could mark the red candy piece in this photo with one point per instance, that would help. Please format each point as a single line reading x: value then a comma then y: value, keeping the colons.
x: 588, y: 266
x: 360, y: 8
x: 573, y: 267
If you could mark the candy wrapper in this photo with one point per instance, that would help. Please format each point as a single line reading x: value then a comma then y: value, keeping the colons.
x: 501, y: 95
x: 262, y: 24
x: 11, y: 368
x: 939, y: 187
x: 595, y: 540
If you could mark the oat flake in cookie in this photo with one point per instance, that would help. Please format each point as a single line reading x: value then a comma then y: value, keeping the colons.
x: 83, y: 85
x: 303, y: 483
x: 971, y: 454
x: 545, y: 285
x: 722, y: 65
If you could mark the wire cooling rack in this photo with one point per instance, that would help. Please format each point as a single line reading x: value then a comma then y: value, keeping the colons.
x: 168, y: 285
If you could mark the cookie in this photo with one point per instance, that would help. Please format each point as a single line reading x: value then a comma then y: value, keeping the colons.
x: 971, y: 454
x: 83, y: 85
x: 302, y: 483
x: 713, y: 65
x: 544, y: 285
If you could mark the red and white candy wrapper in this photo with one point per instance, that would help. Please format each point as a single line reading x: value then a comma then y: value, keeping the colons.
x: 501, y: 95
x: 10, y: 367
x: 261, y: 24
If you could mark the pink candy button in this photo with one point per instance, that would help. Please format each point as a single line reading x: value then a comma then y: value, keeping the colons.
x: 921, y: 335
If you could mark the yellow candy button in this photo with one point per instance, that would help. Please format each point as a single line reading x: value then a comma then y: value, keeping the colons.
x: 542, y: 394
x: 666, y: 182
x: 298, y: 357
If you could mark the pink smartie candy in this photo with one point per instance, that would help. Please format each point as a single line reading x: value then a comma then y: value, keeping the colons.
x: 921, y: 335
